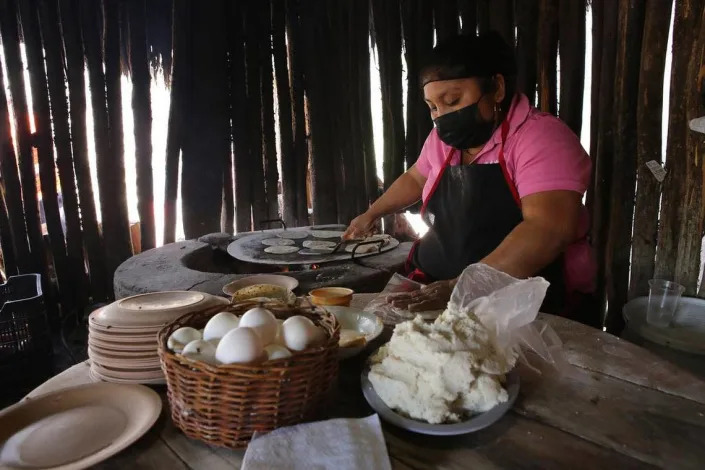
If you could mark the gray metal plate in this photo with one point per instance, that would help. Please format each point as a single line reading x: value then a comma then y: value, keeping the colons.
x: 477, y: 422
x: 250, y: 249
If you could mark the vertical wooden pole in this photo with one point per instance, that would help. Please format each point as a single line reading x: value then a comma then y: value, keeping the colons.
x: 418, y: 41
x: 597, y: 12
x: 296, y: 77
x: 571, y: 33
x: 207, y: 137
x: 15, y: 78
x: 675, y: 203
x: 268, y: 135
x: 692, y: 222
x: 51, y: 35
x: 527, y: 16
x: 180, y: 82
x: 363, y: 97
x: 630, y: 31
x: 445, y: 17
x: 12, y: 191
x: 604, y: 153
x: 483, y: 16
x: 323, y: 154
x: 9, y: 261
x: 75, y: 66
x: 286, y: 129
x: 111, y: 168
x: 468, y: 15
x: 253, y: 12
x: 142, y: 115
x: 502, y: 19
x: 387, y: 31
x: 653, y: 60
x: 45, y: 153
x: 547, y: 56
x: 240, y: 124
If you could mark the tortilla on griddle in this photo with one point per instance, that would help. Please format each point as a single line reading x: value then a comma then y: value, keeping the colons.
x: 319, y: 245
x: 281, y: 250
x: 293, y: 234
x: 326, y: 233
x: 278, y: 242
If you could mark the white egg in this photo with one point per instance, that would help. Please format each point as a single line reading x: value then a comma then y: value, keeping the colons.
x: 200, y: 350
x: 263, y: 322
x: 275, y: 351
x: 182, y: 337
x: 298, y: 333
x: 219, y: 325
x: 241, y: 345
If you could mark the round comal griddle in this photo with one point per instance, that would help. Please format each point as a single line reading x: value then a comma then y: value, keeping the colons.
x: 249, y: 248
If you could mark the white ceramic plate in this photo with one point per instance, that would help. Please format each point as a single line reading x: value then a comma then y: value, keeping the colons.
x: 477, y: 422
x: 103, y: 419
x: 365, y: 323
x: 686, y: 332
x: 153, y: 309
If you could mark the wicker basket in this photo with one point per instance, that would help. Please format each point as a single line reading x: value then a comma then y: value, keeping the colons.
x: 225, y: 405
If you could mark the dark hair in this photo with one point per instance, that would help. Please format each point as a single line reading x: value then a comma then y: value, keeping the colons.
x: 473, y: 56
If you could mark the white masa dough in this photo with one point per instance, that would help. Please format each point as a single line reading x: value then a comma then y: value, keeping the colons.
x: 441, y: 372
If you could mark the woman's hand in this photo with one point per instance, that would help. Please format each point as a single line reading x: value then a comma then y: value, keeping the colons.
x: 434, y: 296
x: 360, y: 227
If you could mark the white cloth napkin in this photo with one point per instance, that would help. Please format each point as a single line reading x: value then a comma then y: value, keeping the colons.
x: 338, y: 444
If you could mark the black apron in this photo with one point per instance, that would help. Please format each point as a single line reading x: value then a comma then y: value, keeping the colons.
x: 470, y: 211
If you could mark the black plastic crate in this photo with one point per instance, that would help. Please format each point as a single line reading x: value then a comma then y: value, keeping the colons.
x: 25, y: 338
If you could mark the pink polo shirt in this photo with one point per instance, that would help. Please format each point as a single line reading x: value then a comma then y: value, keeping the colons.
x: 542, y: 154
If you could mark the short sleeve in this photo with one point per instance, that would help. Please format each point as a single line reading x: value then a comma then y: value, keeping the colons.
x: 423, y: 163
x: 548, y: 157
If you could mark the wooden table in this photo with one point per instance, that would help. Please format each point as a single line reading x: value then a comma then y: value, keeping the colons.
x: 616, y: 406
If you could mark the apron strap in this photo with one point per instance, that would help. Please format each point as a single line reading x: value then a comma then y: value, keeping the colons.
x: 503, y: 164
x: 446, y: 164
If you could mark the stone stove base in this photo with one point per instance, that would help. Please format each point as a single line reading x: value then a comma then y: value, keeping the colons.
x: 203, y: 265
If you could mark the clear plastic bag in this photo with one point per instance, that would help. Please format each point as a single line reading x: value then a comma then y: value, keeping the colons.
x: 384, y: 310
x: 507, y: 306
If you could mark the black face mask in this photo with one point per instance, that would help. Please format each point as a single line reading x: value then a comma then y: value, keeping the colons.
x: 464, y: 128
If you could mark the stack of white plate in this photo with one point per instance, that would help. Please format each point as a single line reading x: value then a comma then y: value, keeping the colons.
x: 122, y: 337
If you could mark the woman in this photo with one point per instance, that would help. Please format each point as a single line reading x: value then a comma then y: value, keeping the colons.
x: 501, y: 182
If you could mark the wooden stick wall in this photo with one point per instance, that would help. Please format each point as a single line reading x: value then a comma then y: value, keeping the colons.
x: 263, y: 87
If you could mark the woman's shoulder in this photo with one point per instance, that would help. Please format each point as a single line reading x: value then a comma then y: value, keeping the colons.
x: 544, y: 129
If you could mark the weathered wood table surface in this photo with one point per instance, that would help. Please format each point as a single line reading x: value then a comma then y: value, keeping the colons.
x: 616, y: 406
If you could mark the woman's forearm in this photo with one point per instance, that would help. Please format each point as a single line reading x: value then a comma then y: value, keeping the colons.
x: 526, y: 250
x: 405, y: 191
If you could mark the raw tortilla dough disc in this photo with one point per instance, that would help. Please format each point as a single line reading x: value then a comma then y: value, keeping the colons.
x: 281, y: 250
x: 326, y: 233
x: 278, y: 242
x: 318, y: 245
x: 293, y: 234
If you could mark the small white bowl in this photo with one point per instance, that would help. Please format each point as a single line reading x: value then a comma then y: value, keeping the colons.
x: 288, y: 283
x: 366, y: 323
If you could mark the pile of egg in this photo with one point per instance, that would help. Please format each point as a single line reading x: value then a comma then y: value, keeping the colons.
x: 255, y: 337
